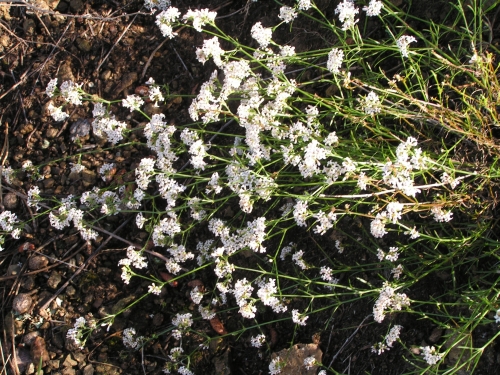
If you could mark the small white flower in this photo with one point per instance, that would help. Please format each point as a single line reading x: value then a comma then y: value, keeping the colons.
x: 51, y: 87
x: 497, y: 316
x: 258, y: 340
x: 129, y: 340
x: 373, y: 8
x: 183, y: 321
x: 287, y: 14
x: 206, y: 312
x: 403, y: 42
x: 165, y: 20
x: 104, y: 171
x: 261, y: 34
x: 335, y: 58
x: 155, y: 289
x: 57, y: 113
x: 133, y: 102
x: 397, y: 271
x: 156, y: 4
x: 303, y: 4
x: 196, y: 295
x: 298, y: 319
x: 377, y: 226
x: 200, y: 18
x: 34, y: 197
x: 71, y: 92
x: 441, y: 216
x: 347, y: 12
x: 371, y: 103
x: 309, y: 362
x: 430, y: 356
x: 275, y: 366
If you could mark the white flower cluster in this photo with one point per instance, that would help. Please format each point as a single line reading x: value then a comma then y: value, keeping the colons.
x: 276, y: 366
x: 206, y: 312
x: 298, y: 318
x: 200, y: 18
x: 154, y: 289
x: 388, y: 299
x: 57, y: 113
x: 169, y: 189
x: 447, y: 179
x: 297, y: 259
x: 156, y: 4
x: 243, y: 293
x: 133, y: 102
x: 71, y: 92
x: 134, y: 258
x: 335, y: 59
x: 129, y: 340
x: 8, y: 174
x: 197, y: 149
x: 258, y: 341
x: 430, y: 355
x: 214, y: 185
x: 166, y: 229
x: 196, y: 295
x: 197, y: 211
x: 303, y: 4
x: 310, y: 362
x: 7, y: 222
x: 390, y: 339
x: 413, y: 233
x: 287, y: 14
x: 403, y: 42
x: 267, y: 292
x: 107, y: 126
x: 210, y: 48
x: 327, y: 275
x: 105, y: 170
x: 371, y: 104
x: 398, y: 174
x: 159, y: 139
x: 261, y: 34
x: 248, y: 185
x: 34, y: 197
x: 373, y: 8
x: 76, y: 334
x: 183, y: 322
x: 397, y: 271
x: 440, y: 215
x: 347, y: 13
x: 155, y: 94
x: 391, y: 256
x: 179, y: 255
x: 51, y: 88
x: 165, y: 19
x: 325, y: 222
x: 300, y: 213
x: 66, y: 213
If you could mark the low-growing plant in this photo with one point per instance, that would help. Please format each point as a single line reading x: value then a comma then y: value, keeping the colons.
x: 356, y: 181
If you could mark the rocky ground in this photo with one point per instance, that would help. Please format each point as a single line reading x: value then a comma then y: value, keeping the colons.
x: 113, y: 47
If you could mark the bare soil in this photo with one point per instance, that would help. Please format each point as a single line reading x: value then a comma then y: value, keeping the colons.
x: 112, y: 47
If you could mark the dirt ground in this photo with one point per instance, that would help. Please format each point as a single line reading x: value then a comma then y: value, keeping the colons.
x: 112, y: 47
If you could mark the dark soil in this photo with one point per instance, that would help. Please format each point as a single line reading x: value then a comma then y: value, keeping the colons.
x: 112, y: 48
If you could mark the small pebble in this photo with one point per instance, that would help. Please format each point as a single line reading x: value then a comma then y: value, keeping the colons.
x: 21, y: 303
x: 38, y: 262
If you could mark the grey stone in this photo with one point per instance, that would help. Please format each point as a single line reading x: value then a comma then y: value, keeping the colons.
x: 22, y: 303
x: 54, y: 280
